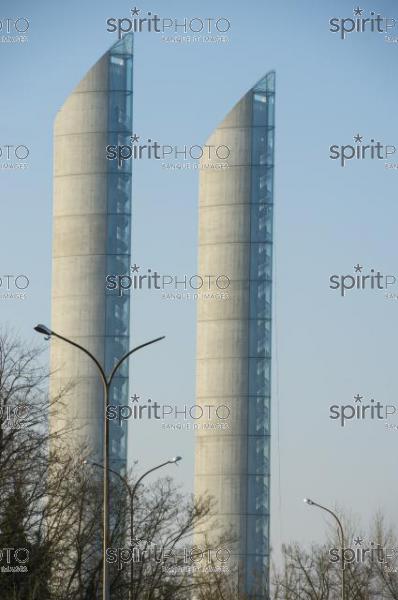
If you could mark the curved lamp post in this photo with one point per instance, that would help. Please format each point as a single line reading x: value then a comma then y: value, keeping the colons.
x: 106, y: 381
x: 131, y: 490
x: 312, y: 503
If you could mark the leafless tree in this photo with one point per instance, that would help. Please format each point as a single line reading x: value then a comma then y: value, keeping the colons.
x: 51, y: 508
x: 370, y: 567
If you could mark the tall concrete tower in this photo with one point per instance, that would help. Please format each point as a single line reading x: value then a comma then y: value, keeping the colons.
x: 234, y: 334
x: 91, y: 238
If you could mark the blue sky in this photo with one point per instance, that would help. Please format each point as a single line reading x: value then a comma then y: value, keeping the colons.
x: 326, y: 348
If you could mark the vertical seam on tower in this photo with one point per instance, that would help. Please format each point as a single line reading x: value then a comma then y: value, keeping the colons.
x: 245, y: 573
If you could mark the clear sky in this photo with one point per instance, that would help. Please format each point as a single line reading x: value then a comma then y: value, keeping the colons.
x: 328, y: 219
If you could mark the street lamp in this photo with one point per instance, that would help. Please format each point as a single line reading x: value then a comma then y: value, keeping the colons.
x: 131, y: 492
x: 312, y: 503
x: 44, y: 330
x: 106, y: 381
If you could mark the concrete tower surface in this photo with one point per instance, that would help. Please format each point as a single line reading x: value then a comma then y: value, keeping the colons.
x: 91, y: 238
x: 234, y: 334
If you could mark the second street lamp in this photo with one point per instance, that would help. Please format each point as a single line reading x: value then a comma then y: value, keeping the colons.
x: 340, y: 526
x: 175, y: 461
x: 131, y: 492
x: 106, y: 381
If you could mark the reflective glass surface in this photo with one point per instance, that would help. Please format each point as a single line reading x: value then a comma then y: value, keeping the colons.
x: 261, y: 237
x: 119, y: 185
x: 259, y: 415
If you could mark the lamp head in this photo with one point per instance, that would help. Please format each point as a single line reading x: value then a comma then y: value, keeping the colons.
x: 176, y: 460
x: 43, y: 330
x: 309, y: 501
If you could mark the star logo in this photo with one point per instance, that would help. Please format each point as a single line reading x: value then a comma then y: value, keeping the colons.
x: 358, y: 268
x: 135, y: 11
x: 134, y: 138
x: 358, y: 398
x: 134, y: 268
x: 134, y: 398
x: 358, y: 541
x: 358, y: 11
x: 358, y: 138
